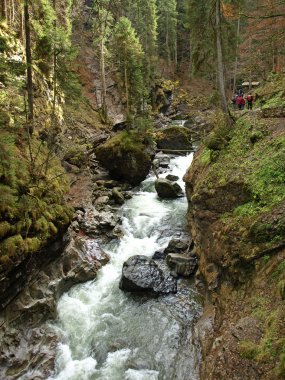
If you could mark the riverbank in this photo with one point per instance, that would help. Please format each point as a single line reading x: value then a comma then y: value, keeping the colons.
x: 235, y: 190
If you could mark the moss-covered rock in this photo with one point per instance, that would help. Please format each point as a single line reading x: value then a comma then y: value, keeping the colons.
x: 174, y: 138
x: 127, y: 156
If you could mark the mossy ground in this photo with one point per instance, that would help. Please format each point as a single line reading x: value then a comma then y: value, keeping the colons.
x: 253, y: 154
x: 272, y: 93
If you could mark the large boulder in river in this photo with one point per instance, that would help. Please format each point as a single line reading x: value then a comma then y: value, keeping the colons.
x: 166, y: 189
x: 174, y: 138
x: 127, y: 156
x: 141, y: 274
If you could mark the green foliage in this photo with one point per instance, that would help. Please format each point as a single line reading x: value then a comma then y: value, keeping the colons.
x: 167, y: 28
x: 3, y: 44
x: 128, y: 55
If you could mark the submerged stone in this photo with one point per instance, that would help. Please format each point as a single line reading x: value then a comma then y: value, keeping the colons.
x: 167, y: 189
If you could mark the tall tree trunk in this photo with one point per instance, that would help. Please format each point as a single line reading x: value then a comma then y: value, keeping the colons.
x: 54, y: 66
x: 29, y: 68
x: 250, y: 64
x: 167, y: 40
x: 220, y: 73
x: 103, y: 80
x: 4, y: 9
x: 190, y: 57
x: 127, y: 88
x: 236, y: 61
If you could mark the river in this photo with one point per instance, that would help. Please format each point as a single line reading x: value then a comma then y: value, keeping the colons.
x: 111, y: 335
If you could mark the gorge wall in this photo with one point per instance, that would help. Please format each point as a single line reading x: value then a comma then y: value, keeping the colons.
x: 236, y: 215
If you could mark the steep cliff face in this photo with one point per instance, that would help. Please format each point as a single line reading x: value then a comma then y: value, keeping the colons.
x: 236, y: 196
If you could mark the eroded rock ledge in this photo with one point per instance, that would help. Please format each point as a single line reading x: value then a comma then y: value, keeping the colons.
x: 236, y: 223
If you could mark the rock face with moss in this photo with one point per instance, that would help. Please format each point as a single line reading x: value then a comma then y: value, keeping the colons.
x: 32, y: 182
x: 236, y: 194
x: 127, y: 156
x: 174, y: 138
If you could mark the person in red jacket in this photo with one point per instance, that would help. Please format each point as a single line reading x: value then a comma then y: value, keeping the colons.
x: 240, y: 102
x: 249, y: 100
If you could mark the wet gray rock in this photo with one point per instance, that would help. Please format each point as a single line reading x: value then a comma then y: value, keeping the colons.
x: 118, y: 196
x: 142, y: 274
x: 95, y: 222
x: 168, y: 189
x: 102, y: 200
x: 172, y: 177
x: 159, y: 255
x: 178, y: 246
x: 182, y: 264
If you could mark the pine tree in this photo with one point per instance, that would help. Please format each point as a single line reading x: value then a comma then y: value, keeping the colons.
x: 143, y: 14
x: 167, y: 29
x: 128, y: 56
x: 102, y: 27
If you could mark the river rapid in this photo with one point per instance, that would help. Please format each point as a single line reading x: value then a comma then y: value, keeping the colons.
x: 111, y: 335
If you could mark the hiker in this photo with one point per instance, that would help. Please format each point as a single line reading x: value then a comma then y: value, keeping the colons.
x: 240, y: 92
x: 240, y: 102
x: 249, y: 100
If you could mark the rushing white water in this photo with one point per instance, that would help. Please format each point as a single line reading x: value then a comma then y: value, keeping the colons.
x: 111, y: 335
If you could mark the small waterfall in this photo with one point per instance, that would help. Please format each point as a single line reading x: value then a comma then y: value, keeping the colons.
x: 111, y: 335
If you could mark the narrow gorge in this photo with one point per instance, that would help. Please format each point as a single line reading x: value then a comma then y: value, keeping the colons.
x: 142, y: 228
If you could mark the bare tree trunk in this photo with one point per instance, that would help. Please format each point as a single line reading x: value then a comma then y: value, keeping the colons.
x: 13, y: 12
x: 250, y: 64
x: 54, y: 66
x: 236, y: 62
x: 167, y: 40
x: 221, y: 79
x: 190, y: 58
x: 103, y: 80
x: 29, y: 68
x: 127, y: 88
x: 4, y: 9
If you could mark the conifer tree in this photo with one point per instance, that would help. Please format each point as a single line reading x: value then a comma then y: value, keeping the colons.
x: 103, y: 21
x: 143, y: 14
x: 128, y: 56
x: 167, y: 29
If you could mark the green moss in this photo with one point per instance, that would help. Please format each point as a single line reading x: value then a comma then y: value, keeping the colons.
x: 248, y: 350
x: 32, y: 245
x: 52, y: 228
x: 221, y: 134
x: 76, y: 155
x: 41, y: 225
x: 5, y: 228
x: 12, y: 246
x: 124, y: 141
x: 206, y: 157
x: 276, y: 101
